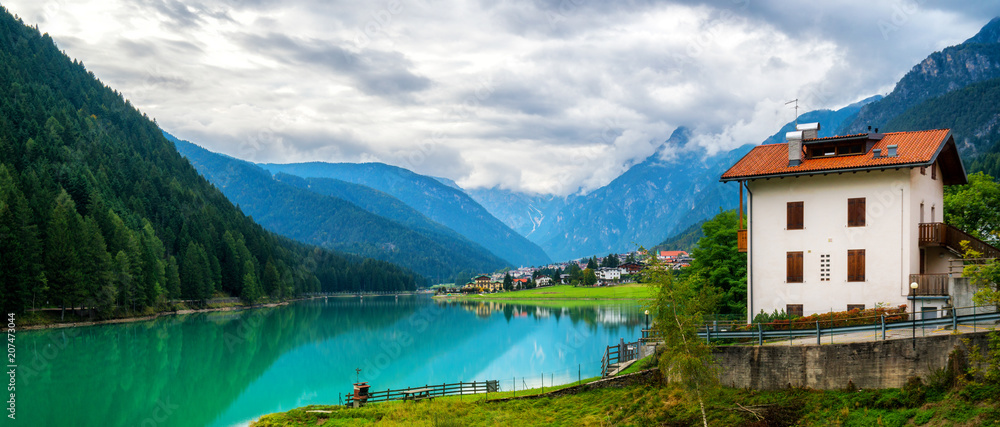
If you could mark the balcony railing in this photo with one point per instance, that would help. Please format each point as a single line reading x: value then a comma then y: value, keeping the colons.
x: 941, y: 234
x: 741, y: 240
x: 930, y: 284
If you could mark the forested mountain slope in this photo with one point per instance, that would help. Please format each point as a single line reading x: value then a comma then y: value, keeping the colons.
x: 288, y: 206
x: 439, y: 202
x: 97, y: 208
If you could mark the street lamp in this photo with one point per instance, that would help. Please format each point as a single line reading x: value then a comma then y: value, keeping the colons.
x: 913, y: 309
x: 647, y: 323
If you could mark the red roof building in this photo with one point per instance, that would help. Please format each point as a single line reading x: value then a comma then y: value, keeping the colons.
x: 832, y: 224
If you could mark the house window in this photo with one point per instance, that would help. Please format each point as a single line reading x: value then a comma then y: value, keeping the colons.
x: 795, y: 216
x: 794, y: 267
x: 856, y: 265
x: 793, y: 310
x: 859, y: 307
x: 856, y: 212
x: 824, y: 268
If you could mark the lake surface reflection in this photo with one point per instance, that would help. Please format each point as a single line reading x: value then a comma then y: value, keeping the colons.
x: 227, y: 368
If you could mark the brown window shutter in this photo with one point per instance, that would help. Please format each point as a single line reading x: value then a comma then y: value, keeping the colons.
x: 793, y: 267
x: 856, y: 265
x: 856, y: 212
x: 794, y: 213
x: 934, y: 171
x: 794, y: 310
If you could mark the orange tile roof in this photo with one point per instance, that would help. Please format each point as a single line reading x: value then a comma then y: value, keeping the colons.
x: 914, y: 149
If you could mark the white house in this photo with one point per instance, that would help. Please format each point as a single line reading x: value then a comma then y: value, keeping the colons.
x: 850, y: 221
x: 608, y: 273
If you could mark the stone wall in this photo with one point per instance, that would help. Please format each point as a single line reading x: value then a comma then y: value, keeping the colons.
x: 879, y: 364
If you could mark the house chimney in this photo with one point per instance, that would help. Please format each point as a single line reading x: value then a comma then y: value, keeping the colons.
x: 809, y: 130
x: 890, y: 151
x: 794, y: 148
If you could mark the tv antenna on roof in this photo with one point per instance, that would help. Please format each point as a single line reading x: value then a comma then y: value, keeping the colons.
x: 796, y: 101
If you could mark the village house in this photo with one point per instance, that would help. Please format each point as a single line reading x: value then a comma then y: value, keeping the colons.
x: 672, y: 257
x: 852, y: 221
x: 608, y: 274
x: 543, y: 281
x: 631, y: 267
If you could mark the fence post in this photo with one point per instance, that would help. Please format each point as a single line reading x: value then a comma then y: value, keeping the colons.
x: 760, y: 335
x: 818, y: 334
x: 954, y: 319
x: 883, y: 327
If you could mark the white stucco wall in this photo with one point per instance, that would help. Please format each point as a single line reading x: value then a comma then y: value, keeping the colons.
x: 889, y: 238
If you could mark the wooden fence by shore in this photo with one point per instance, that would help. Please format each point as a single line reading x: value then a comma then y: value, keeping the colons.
x: 428, y: 391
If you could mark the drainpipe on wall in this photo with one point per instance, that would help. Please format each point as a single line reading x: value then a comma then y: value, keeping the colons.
x: 749, y: 253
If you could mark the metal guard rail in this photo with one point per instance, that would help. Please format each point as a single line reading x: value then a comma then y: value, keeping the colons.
x: 761, y: 334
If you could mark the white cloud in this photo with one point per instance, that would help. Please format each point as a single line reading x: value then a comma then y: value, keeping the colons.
x: 544, y: 96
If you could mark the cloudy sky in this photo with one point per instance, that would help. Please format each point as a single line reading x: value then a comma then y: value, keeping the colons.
x: 549, y: 96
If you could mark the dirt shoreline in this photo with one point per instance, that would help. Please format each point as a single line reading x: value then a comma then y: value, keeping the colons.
x: 151, y: 317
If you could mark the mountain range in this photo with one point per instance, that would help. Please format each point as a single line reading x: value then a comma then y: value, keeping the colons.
x: 342, y: 216
x: 675, y: 187
x: 438, y: 201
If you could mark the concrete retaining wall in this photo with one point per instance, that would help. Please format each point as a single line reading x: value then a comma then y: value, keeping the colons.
x: 880, y: 364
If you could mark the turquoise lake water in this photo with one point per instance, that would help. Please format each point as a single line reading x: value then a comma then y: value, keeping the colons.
x: 228, y: 368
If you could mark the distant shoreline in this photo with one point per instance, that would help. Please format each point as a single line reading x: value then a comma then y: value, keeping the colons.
x: 153, y: 316
x: 627, y: 292
x: 190, y: 311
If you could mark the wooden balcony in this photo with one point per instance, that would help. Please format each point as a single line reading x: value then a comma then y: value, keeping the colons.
x: 941, y: 234
x: 741, y: 240
x: 930, y: 284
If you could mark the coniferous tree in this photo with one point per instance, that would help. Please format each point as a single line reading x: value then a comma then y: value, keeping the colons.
x: 173, y: 278
x: 271, y: 282
x: 96, y: 268
x: 62, y: 262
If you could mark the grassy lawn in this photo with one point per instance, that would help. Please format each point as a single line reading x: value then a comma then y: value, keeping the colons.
x: 566, y: 292
x: 653, y: 404
x: 639, y: 365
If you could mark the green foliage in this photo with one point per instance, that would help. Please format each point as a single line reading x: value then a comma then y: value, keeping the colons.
x: 589, y: 277
x: 611, y: 261
x: 97, y: 209
x: 775, y: 316
x: 679, y: 306
x: 720, y: 265
x: 781, y: 321
x: 975, y: 207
